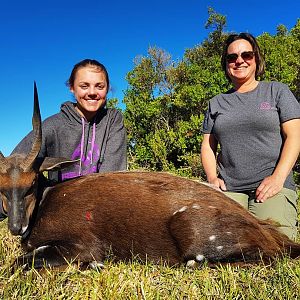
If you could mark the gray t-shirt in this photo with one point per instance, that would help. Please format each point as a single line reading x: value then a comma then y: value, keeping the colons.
x: 247, y: 127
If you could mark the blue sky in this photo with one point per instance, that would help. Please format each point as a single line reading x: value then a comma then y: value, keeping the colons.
x: 42, y: 40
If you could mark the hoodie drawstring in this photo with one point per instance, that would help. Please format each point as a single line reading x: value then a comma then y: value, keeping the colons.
x: 93, y: 141
x: 82, y: 144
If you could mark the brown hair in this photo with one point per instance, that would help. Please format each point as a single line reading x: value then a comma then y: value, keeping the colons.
x: 260, y: 63
x: 85, y: 63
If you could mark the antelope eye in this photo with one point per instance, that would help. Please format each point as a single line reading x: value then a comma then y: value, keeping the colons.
x: 29, y: 191
x: 4, y: 204
x: 4, y: 194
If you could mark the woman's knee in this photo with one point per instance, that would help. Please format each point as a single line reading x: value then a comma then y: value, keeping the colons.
x: 281, y: 208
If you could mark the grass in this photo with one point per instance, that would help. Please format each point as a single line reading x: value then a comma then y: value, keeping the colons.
x: 280, y: 280
x: 136, y: 281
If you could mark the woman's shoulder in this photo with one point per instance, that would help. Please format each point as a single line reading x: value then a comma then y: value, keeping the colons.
x: 216, y: 97
x: 51, y: 123
x: 109, y: 116
x: 66, y: 114
x: 273, y: 84
x: 114, y: 113
x: 53, y: 119
x: 221, y: 96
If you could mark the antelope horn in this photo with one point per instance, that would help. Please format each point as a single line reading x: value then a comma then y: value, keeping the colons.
x: 37, y: 134
x: 3, y: 162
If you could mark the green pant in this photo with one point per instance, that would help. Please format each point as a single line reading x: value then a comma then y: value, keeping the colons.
x: 281, y: 208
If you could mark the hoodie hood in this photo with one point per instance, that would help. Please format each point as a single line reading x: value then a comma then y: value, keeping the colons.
x: 73, y: 117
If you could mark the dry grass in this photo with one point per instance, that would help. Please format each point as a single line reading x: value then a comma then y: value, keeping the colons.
x: 136, y: 281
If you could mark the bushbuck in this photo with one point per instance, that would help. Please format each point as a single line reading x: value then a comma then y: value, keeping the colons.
x: 151, y: 216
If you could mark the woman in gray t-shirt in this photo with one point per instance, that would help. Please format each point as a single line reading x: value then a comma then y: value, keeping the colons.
x: 257, y: 126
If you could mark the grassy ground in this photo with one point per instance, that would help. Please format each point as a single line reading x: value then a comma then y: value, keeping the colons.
x: 280, y: 280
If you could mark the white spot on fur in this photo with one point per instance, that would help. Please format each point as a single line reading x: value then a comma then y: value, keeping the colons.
x: 212, y: 238
x: 219, y: 248
x: 65, y: 195
x: 24, y: 228
x: 228, y: 232
x: 95, y: 265
x: 200, y: 257
x: 190, y: 263
x: 196, y: 206
x: 40, y: 249
x: 182, y: 209
x: 139, y: 180
x: 210, y: 206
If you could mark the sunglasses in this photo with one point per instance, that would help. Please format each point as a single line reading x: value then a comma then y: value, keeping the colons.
x: 232, y: 57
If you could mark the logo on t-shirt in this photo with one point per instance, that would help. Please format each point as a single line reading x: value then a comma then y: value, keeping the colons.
x: 88, y: 163
x: 265, y: 106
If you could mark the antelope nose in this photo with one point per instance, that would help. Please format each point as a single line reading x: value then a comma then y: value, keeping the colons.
x: 15, y: 228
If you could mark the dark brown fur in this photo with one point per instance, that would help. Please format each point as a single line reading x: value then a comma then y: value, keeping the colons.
x: 137, y: 214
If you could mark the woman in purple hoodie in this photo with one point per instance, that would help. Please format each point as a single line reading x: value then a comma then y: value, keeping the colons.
x: 85, y: 130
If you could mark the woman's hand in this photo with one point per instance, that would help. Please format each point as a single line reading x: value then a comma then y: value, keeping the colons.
x: 269, y: 187
x: 218, y: 184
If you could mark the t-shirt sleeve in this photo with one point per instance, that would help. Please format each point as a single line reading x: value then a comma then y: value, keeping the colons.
x: 209, y: 121
x: 287, y: 105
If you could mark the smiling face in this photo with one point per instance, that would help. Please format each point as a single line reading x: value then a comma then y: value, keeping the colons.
x: 90, y: 89
x: 241, y: 70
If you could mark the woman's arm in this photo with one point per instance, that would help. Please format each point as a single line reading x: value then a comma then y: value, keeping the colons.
x: 209, y: 162
x: 271, y: 185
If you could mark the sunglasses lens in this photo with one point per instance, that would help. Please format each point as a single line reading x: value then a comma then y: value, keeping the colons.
x: 248, y: 55
x: 231, y: 58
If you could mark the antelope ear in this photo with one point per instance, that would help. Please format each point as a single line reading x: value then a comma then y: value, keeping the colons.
x: 56, y: 163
